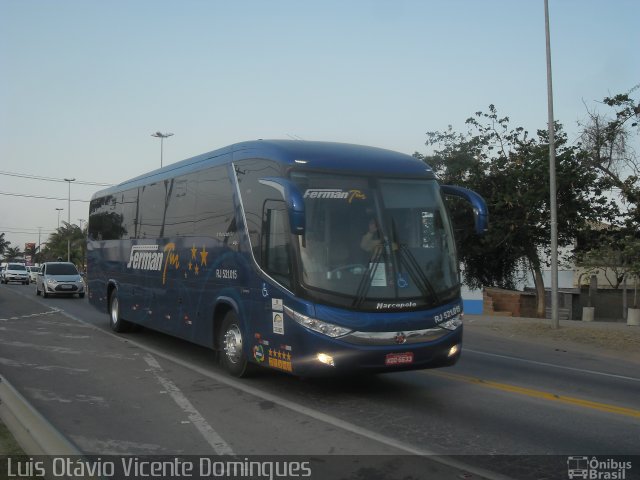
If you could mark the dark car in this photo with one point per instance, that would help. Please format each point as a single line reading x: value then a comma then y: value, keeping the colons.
x: 59, y: 278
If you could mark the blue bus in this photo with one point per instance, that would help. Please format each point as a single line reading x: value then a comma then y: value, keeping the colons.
x: 310, y: 258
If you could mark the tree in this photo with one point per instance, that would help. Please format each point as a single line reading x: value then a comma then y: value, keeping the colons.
x: 510, y: 169
x: 12, y: 253
x: 57, y: 244
x: 631, y: 252
x: 618, y: 257
x: 4, y: 244
x: 607, y: 140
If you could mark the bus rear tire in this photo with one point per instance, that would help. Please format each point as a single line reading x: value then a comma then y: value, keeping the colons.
x: 232, y: 357
x: 117, y: 323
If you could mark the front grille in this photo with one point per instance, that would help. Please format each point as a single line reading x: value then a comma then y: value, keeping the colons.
x: 66, y: 287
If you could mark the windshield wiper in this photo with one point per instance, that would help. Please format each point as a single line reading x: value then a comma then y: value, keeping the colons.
x: 416, y: 273
x: 367, y: 278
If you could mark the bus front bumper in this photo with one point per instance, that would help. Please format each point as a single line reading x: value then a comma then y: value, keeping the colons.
x: 322, y: 355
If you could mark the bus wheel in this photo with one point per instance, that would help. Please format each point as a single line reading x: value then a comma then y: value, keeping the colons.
x: 232, y: 356
x: 117, y: 324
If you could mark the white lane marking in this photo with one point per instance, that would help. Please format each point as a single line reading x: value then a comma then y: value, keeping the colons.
x: 210, y: 435
x: 553, y: 365
x: 296, y: 407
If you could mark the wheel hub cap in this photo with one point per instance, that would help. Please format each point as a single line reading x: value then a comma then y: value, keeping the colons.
x: 233, y: 344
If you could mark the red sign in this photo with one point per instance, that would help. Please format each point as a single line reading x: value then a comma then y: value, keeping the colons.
x: 398, y: 358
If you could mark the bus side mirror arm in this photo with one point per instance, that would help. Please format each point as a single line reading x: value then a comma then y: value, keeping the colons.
x: 293, y: 199
x: 480, y: 210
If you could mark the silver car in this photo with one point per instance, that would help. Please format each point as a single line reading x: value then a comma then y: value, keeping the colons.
x: 59, y: 278
x: 15, y: 272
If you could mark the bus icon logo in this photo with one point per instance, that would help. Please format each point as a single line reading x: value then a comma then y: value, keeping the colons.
x: 578, y: 467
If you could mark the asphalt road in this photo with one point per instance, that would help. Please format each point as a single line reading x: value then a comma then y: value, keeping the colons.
x: 508, y: 403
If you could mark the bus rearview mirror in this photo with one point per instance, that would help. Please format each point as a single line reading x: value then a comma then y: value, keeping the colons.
x: 480, y: 210
x: 294, y: 200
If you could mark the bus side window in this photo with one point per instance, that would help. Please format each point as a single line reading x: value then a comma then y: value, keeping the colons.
x: 276, y: 260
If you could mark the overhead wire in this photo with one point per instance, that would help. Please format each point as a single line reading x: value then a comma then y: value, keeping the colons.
x: 43, y: 197
x: 20, y: 230
x: 53, y: 179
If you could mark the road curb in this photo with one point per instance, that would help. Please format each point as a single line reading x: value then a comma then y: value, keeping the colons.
x: 31, y: 430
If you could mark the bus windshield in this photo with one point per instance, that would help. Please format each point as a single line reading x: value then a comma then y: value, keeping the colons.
x: 381, y: 240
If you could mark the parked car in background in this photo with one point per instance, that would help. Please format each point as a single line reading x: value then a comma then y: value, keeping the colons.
x: 59, y: 278
x: 33, y: 273
x: 15, y: 272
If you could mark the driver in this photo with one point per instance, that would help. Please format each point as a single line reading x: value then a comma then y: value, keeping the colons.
x: 371, y: 239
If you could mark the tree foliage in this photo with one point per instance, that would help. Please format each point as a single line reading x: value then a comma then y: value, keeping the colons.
x: 510, y: 169
x: 56, y: 246
x: 12, y: 254
x: 608, y: 141
x: 4, y: 244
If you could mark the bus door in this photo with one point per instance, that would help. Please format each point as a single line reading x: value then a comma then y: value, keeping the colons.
x: 271, y: 346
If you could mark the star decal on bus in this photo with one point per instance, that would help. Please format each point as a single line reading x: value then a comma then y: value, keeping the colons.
x: 203, y: 256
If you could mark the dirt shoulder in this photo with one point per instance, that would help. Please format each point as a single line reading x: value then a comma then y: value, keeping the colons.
x: 609, y: 338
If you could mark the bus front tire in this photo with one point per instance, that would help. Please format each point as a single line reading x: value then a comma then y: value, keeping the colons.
x: 232, y: 356
x: 117, y: 324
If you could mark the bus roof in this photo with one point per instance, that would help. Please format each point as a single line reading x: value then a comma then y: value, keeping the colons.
x: 332, y: 156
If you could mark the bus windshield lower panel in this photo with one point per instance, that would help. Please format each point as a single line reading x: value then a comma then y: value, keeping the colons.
x: 376, y: 241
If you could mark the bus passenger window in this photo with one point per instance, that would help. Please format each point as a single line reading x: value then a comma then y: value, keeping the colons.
x: 275, y: 242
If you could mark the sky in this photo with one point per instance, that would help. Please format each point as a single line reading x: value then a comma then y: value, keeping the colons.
x: 84, y: 83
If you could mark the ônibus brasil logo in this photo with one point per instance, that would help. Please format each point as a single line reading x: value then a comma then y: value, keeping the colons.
x: 593, y: 468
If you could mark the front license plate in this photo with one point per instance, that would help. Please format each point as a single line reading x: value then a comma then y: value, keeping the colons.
x: 65, y: 287
x: 398, y: 358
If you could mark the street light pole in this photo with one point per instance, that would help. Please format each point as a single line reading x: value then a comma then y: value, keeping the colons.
x: 69, y: 180
x: 161, y: 136
x: 553, y: 205
x: 59, y: 210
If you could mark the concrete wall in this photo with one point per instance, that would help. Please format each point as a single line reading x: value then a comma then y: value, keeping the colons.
x: 607, y: 303
x: 509, y: 303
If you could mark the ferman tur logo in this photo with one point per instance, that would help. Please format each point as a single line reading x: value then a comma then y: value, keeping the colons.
x: 335, y: 193
x: 592, y: 468
x: 148, y: 257
x: 145, y: 257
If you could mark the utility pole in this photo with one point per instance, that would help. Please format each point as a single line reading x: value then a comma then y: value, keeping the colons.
x: 69, y: 180
x: 553, y: 205
x: 59, y: 210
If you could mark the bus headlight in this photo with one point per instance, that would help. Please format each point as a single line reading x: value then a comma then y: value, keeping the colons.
x: 326, y: 328
x: 452, y: 323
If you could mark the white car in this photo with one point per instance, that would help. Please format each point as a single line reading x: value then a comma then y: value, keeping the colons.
x: 33, y: 273
x: 15, y: 272
x: 59, y: 278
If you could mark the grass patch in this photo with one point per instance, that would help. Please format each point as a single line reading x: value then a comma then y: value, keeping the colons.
x: 8, y: 444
